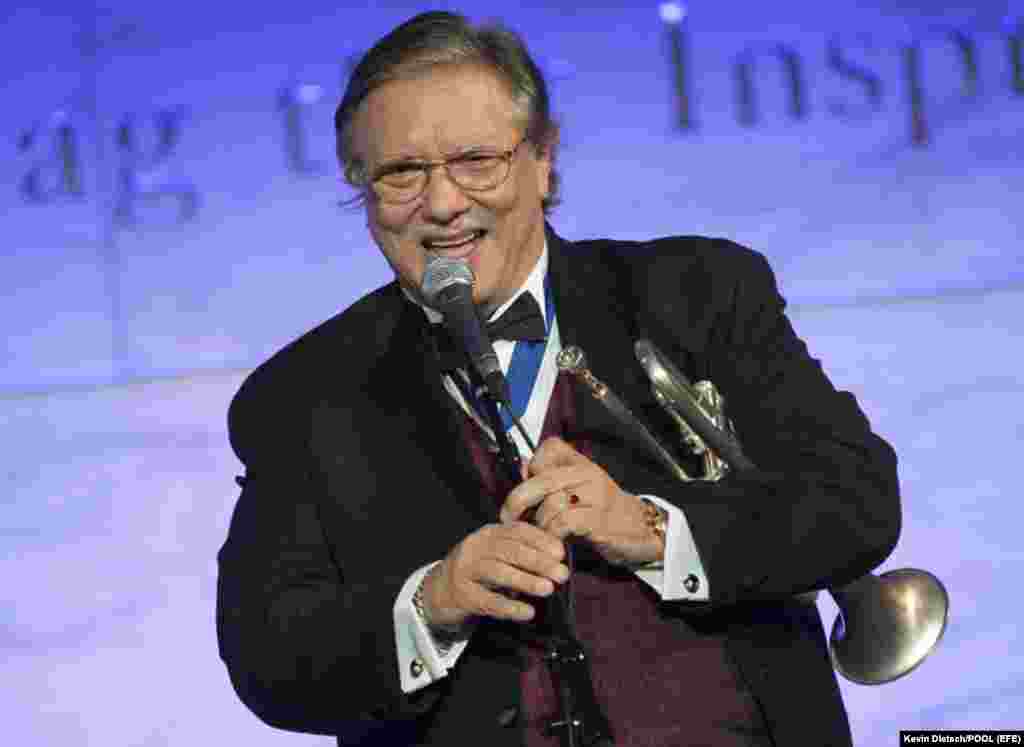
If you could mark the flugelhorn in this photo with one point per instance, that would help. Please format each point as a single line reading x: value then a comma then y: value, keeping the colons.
x: 886, y: 625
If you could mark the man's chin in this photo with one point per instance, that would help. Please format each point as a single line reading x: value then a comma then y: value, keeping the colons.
x: 488, y: 300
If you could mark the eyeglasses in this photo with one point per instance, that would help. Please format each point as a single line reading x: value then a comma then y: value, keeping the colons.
x: 474, y: 171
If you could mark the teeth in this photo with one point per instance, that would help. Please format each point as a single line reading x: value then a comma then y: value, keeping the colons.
x: 452, y: 244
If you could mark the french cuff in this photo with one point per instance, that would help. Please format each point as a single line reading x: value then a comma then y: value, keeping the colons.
x: 680, y: 576
x: 422, y: 657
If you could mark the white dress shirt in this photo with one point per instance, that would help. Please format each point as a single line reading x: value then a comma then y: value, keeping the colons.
x: 421, y: 659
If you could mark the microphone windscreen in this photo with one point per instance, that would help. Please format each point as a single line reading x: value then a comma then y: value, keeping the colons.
x: 441, y: 274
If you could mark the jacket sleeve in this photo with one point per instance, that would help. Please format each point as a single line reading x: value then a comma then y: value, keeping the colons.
x: 822, y: 507
x: 308, y: 648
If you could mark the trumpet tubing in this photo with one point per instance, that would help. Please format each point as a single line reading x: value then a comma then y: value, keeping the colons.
x: 573, y: 360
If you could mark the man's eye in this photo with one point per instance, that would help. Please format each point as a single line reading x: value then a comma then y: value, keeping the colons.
x: 401, y: 173
x: 404, y: 168
x: 478, y: 160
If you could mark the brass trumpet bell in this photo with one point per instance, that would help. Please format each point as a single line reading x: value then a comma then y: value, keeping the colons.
x: 887, y: 624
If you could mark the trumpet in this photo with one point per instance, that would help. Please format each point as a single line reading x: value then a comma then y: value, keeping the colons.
x: 887, y: 624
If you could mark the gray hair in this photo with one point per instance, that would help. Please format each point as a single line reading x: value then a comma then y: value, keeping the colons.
x: 441, y: 38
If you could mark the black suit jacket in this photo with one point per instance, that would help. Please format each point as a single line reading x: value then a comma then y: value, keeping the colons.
x: 356, y: 475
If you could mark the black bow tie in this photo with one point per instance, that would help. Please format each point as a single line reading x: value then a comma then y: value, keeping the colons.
x: 521, y: 321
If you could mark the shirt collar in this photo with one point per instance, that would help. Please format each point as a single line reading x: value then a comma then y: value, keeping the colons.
x: 534, y: 284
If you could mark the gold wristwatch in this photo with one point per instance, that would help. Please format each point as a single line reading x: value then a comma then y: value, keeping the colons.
x: 657, y: 520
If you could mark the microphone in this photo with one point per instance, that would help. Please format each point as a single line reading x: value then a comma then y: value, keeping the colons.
x: 448, y: 287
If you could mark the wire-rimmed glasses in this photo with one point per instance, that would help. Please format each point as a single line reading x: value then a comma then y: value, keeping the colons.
x: 475, y: 170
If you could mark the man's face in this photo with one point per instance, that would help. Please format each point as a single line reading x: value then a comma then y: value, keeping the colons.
x: 443, y: 112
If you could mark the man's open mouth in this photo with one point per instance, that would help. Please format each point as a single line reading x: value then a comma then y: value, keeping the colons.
x: 452, y: 246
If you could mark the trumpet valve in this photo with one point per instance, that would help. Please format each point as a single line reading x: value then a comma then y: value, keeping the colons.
x: 573, y: 360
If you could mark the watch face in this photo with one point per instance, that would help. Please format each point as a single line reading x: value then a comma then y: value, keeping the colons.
x: 657, y: 519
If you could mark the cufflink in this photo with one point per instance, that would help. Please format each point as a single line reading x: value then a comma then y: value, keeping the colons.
x: 416, y: 668
x: 691, y: 583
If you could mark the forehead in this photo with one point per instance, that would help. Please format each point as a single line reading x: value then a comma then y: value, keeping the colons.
x: 434, y: 113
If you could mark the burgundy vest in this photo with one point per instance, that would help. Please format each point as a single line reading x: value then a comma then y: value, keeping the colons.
x: 660, y: 683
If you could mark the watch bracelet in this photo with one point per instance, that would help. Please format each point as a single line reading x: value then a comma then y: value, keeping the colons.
x: 444, y: 636
x: 657, y: 519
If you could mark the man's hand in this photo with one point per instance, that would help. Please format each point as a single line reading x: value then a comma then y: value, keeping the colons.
x: 575, y: 496
x: 483, y: 574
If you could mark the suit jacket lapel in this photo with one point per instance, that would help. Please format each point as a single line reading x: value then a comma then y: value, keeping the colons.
x: 419, y: 403
x: 592, y: 317
x: 599, y: 310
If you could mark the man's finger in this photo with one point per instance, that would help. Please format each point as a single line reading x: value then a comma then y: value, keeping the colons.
x: 553, y: 452
x: 576, y: 523
x: 538, y: 539
x: 498, y: 574
x: 539, y: 563
x: 492, y: 604
x: 553, y: 505
x: 521, y: 499
x: 531, y: 493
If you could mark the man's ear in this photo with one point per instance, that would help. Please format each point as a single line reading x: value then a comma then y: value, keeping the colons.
x: 545, y: 154
x: 544, y: 177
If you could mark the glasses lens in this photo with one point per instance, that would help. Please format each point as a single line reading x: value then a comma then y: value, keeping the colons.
x: 401, y: 185
x: 478, y: 170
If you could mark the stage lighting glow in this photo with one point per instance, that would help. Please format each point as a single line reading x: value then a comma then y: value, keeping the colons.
x: 672, y: 12
x: 309, y: 93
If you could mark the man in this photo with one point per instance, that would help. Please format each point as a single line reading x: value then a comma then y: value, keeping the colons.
x: 380, y: 581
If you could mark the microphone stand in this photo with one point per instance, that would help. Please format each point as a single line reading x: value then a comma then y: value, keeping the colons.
x: 580, y: 722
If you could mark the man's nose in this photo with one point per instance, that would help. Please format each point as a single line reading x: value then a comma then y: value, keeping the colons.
x: 442, y: 198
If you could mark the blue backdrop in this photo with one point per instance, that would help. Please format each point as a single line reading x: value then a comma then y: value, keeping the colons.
x: 171, y: 218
